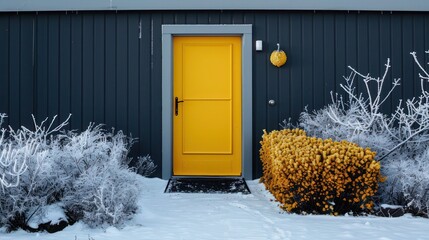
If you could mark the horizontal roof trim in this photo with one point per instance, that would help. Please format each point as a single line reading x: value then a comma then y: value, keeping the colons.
x: 84, y: 5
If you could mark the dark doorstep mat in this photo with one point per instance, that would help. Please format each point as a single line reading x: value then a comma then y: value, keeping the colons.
x: 207, y: 185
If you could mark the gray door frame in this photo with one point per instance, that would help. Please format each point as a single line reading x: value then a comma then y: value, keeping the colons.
x: 168, y: 32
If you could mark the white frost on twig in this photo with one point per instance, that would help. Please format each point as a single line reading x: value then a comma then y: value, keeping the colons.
x: 400, y: 139
x: 363, y: 109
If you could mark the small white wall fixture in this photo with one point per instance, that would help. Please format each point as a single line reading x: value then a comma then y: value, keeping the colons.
x: 168, y: 32
x: 258, y: 45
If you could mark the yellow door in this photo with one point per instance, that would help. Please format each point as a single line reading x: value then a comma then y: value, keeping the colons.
x: 207, y: 124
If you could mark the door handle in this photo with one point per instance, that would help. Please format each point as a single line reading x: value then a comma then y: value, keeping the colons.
x: 176, y: 106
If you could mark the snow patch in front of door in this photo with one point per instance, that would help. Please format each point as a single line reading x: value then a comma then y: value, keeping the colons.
x: 233, y: 216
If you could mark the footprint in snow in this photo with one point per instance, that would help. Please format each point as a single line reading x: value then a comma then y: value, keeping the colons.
x: 239, y: 205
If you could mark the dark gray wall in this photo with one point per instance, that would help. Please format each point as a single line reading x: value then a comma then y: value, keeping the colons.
x: 95, y: 66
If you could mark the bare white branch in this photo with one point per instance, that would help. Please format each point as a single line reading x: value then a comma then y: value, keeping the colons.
x: 400, y: 139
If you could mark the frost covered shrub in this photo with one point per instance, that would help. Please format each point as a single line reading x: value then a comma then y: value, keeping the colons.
x: 30, y: 163
x: 103, y: 189
x: 400, y: 139
x: 409, y: 182
x: 12, y: 160
x: 86, y: 171
x: 312, y: 175
x: 144, y: 165
x: 104, y: 195
x: 94, y: 146
x: 320, y: 124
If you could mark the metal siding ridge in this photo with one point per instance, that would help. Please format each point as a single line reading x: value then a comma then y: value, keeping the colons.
x: 115, y: 5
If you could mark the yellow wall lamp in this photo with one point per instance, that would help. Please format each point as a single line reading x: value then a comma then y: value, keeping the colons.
x: 278, y: 57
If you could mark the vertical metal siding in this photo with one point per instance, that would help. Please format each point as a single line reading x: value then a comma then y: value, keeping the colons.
x: 88, y: 87
x: 76, y: 73
x: 110, y: 62
x: 105, y: 67
x: 14, y: 68
x: 133, y: 75
x: 145, y: 74
x: 53, y: 66
x: 317, y: 63
x: 260, y: 95
x: 385, y: 40
x: 64, y: 66
x: 4, y: 65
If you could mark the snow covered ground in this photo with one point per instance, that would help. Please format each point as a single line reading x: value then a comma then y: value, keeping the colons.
x: 233, y: 216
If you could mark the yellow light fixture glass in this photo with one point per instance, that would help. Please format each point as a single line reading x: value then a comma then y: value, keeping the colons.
x: 278, y: 57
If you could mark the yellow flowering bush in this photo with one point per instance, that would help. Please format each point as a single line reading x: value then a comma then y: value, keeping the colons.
x: 312, y: 175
